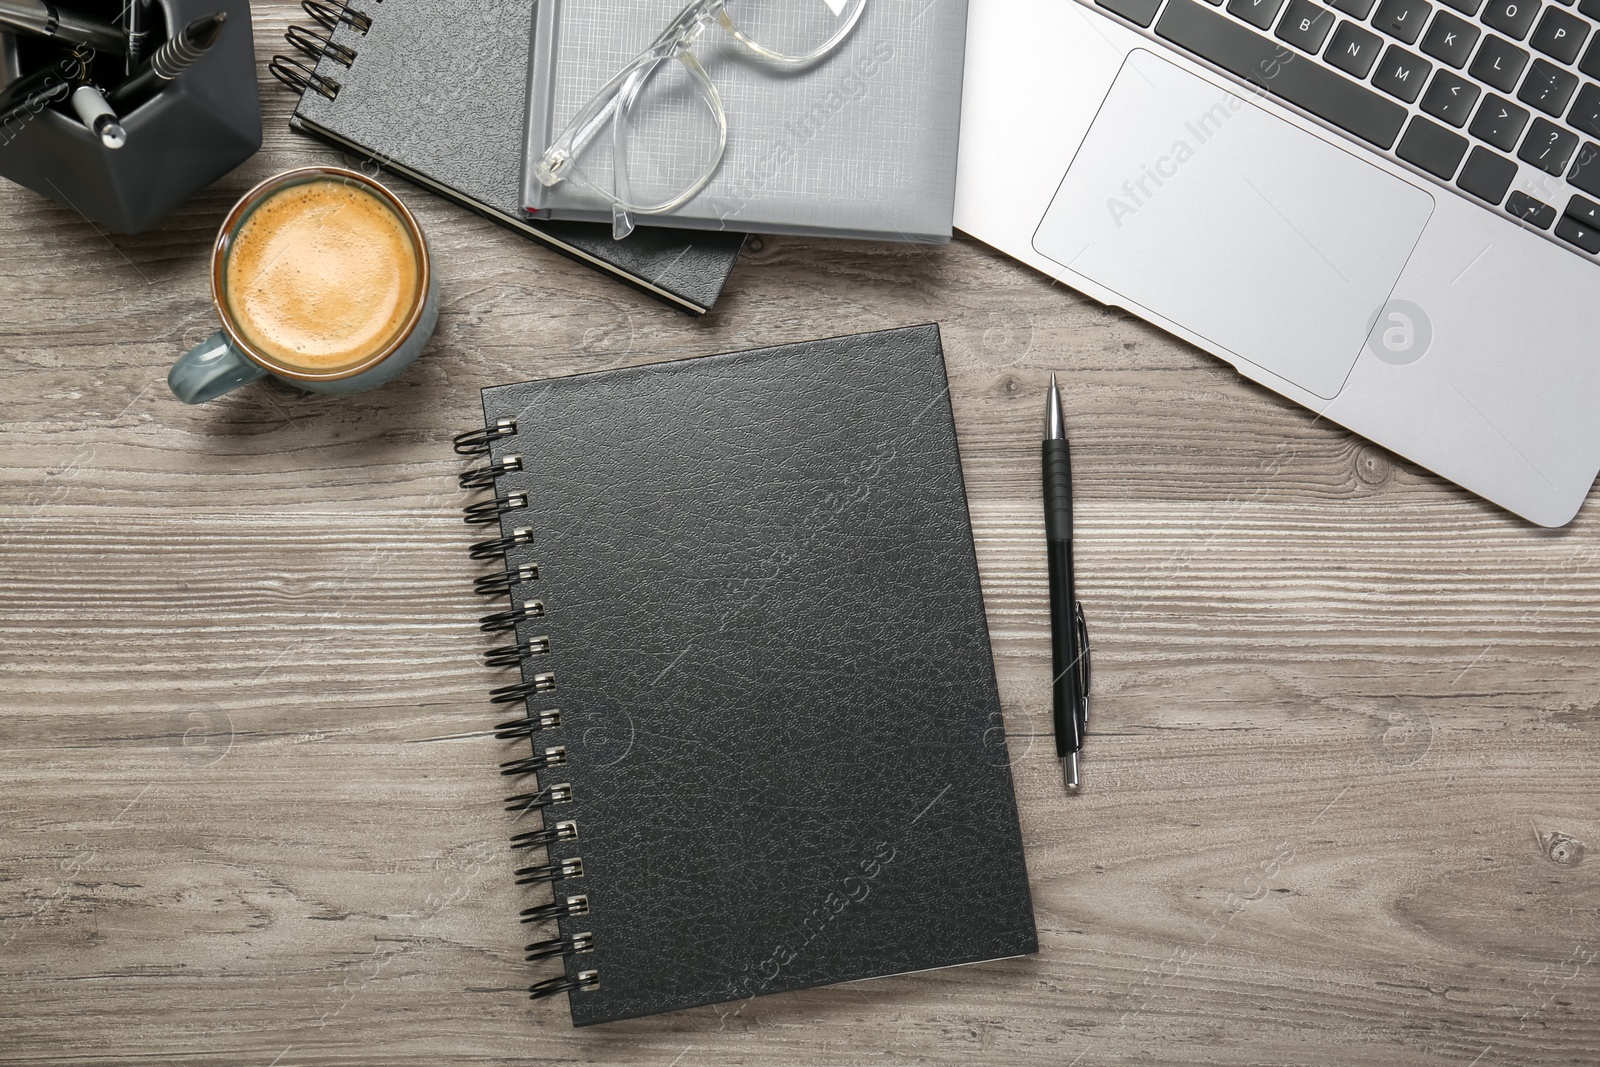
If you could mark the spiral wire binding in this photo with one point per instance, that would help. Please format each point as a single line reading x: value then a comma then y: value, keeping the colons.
x: 528, y: 725
x: 560, y: 946
x: 516, y: 694
x: 301, y: 78
x: 540, y: 799
x: 501, y: 582
x: 503, y: 621
x: 314, y: 44
x: 556, y: 909
x: 554, y: 756
x: 476, y: 442
x: 498, y: 546
x: 513, y: 655
x: 485, y: 477
x: 509, y: 581
x: 329, y: 15
x: 486, y: 511
x: 550, y: 872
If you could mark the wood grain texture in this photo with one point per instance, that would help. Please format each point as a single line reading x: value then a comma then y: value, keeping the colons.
x: 1342, y: 772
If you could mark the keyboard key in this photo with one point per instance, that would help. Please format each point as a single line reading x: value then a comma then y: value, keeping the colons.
x: 1466, y: 7
x: 1499, y: 122
x: 1357, y: 8
x: 1547, y: 87
x: 1548, y: 147
x: 1486, y: 175
x: 1138, y: 12
x: 1450, y: 39
x: 1578, y: 233
x: 1305, y: 25
x: 1401, y: 74
x: 1354, y: 50
x: 1585, y: 172
x: 1533, y: 212
x: 1402, y: 18
x: 1450, y: 98
x: 1585, y: 114
x: 1432, y: 147
x: 1559, y: 35
x: 1351, y: 107
x: 1499, y: 63
x: 1590, y: 8
x: 1585, y: 211
x: 1590, y: 63
x: 1511, y: 17
x: 1258, y: 13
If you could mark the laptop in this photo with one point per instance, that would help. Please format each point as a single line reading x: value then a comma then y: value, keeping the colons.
x: 1385, y: 210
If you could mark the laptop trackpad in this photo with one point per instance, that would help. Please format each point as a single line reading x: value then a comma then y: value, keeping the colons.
x: 1202, y: 207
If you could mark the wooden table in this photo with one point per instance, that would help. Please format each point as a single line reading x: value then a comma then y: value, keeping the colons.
x: 1340, y: 784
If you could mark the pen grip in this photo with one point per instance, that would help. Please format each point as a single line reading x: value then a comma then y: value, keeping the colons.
x: 1057, y: 491
x: 1066, y: 652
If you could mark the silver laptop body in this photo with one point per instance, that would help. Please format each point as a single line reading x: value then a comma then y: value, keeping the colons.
x: 1324, y: 199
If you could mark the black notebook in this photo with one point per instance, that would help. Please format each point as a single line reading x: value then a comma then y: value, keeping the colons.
x: 766, y: 743
x: 437, y: 93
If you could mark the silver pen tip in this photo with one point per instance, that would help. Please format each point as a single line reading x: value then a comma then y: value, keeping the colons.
x: 1054, y: 427
x: 1069, y: 770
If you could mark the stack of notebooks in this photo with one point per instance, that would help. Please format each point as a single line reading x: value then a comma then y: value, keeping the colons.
x: 436, y: 92
x: 759, y: 744
x: 463, y: 96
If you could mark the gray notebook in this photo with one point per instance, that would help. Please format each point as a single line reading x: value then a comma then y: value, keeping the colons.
x: 861, y: 144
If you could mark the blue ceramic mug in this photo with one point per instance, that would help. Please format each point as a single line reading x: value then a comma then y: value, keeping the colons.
x: 230, y: 358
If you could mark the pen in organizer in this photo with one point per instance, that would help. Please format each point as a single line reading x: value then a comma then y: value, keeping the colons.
x: 96, y: 114
x: 44, y: 19
x: 140, y: 17
x: 170, y: 60
x: 1069, y: 635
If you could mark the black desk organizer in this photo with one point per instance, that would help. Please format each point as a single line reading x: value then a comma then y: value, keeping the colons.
x: 199, y: 128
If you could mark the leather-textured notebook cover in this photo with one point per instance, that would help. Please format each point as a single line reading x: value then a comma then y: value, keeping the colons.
x: 758, y: 621
x: 437, y: 93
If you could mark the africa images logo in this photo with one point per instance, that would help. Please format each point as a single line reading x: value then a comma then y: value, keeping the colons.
x: 1399, y: 333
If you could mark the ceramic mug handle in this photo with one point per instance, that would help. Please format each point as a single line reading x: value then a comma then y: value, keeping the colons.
x: 210, y: 369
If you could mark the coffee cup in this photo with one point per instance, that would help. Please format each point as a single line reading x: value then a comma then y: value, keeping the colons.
x: 321, y: 278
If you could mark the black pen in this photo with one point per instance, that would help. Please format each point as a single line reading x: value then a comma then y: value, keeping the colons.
x: 44, y: 19
x: 140, y: 16
x: 1069, y: 636
x: 169, y: 61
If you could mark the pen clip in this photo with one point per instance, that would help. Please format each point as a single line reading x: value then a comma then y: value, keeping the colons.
x: 1084, y: 656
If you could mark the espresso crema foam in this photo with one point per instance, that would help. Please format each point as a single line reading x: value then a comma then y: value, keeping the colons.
x: 322, y: 275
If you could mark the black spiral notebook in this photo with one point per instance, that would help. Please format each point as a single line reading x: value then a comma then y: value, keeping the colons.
x: 749, y: 652
x: 437, y: 93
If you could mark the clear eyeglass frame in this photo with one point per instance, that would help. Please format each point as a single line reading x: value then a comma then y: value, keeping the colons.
x: 614, y: 104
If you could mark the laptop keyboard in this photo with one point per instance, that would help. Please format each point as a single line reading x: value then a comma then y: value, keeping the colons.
x: 1498, y: 99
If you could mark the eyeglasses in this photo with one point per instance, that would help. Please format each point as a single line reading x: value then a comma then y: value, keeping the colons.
x: 668, y: 130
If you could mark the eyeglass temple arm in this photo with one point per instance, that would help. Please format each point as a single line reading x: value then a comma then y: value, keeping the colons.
x: 622, y: 207
x: 553, y: 164
x: 603, y: 105
x: 621, y: 187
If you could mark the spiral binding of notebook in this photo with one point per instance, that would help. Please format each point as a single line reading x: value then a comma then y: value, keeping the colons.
x: 316, y: 42
x: 511, y: 580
